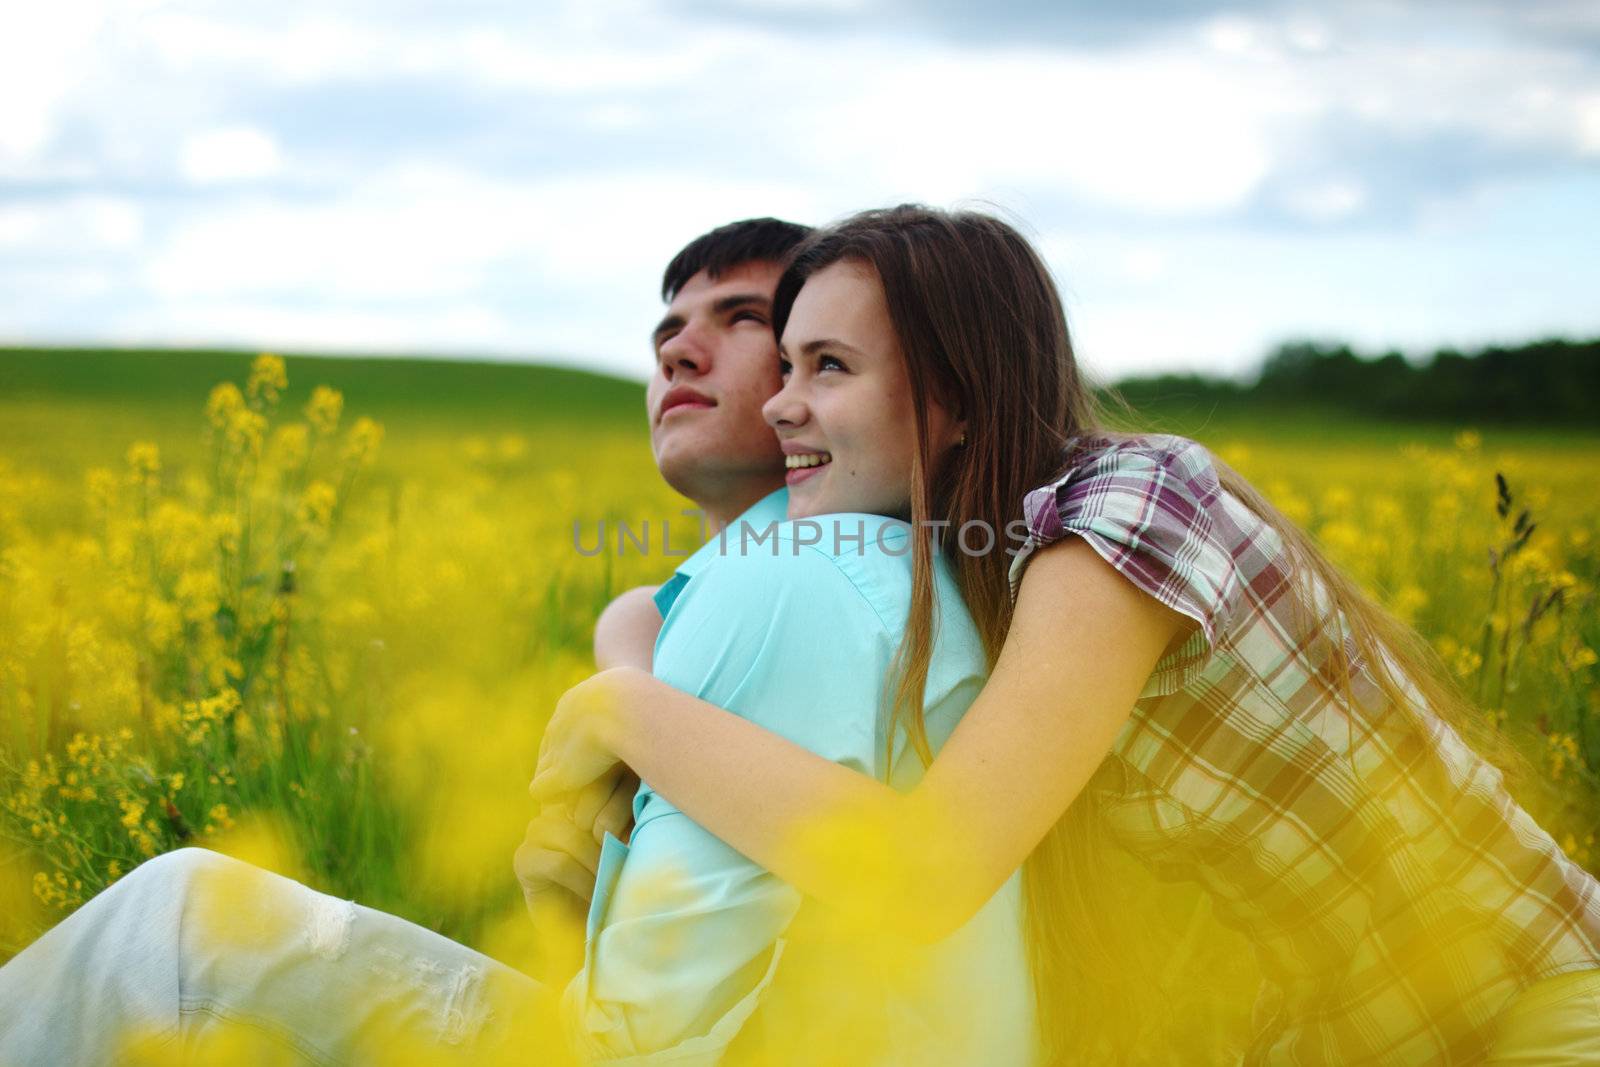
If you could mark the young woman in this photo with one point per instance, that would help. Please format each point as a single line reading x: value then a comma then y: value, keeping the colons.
x: 1175, y: 665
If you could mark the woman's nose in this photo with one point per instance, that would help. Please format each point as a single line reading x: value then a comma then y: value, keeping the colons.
x: 785, y: 407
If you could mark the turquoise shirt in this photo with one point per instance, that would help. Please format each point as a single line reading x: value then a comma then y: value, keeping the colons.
x: 794, y: 626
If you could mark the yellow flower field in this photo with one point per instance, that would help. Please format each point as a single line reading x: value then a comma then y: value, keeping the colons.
x: 328, y: 644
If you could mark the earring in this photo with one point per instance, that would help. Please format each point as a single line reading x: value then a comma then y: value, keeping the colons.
x: 961, y: 443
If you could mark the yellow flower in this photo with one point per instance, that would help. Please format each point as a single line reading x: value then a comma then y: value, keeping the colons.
x: 144, y: 463
x: 225, y: 529
x: 1469, y: 440
x: 245, y: 430
x: 323, y: 409
x: 1467, y: 662
x: 1235, y: 454
x: 224, y: 401
x: 316, y: 506
x: 290, y: 444
x: 200, y: 594
x: 162, y: 622
x: 101, y: 485
x: 132, y: 812
x: 218, y: 818
x: 267, y: 379
x: 1336, y: 500
x: 511, y: 446
x: 361, y: 444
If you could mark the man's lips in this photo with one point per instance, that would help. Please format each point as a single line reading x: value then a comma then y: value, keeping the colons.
x: 683, y: 398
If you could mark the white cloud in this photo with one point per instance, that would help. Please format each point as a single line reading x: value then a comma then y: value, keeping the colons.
x: 414, y: 232
x: 431, y: 223
x: 1230, y: 35
x: 1327, y: 201
x: 1589, y: 125
x: 558, y: 47
x: 95, y: 224
x: 229, y: 153
x: 1156, y: 130
x: 41, y: 51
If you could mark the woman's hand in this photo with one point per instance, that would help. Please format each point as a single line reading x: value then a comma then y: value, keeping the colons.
x: 560, y: 852
x: 577, y: 750
x: 556, y: 866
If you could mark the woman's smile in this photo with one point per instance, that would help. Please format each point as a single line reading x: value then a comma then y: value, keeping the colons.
x: 803, y: 466
x: 846, y: 399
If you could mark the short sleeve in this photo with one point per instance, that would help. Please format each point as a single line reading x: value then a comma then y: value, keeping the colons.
x: 1151, y: 507
x: 685, y: 933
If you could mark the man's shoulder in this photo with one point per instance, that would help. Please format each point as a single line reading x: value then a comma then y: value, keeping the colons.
x: 835, y: 537
x: 852, y: 556
x: 869, y: 551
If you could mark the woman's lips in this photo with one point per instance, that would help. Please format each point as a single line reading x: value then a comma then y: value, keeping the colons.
x: 800, y: 474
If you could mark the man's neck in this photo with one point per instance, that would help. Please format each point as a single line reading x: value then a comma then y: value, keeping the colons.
x: 724, y: 508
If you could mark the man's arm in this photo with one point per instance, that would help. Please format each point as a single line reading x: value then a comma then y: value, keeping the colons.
x: 625, y: 633
x: 685, y: 934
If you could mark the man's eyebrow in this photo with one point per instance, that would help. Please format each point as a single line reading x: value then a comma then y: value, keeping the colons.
x: 732, y: 302
x: 671, y: 322
x: 739, y: 300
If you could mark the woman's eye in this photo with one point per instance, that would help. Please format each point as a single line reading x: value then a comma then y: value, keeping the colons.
x: 783, y: 368
x: 822, y: 363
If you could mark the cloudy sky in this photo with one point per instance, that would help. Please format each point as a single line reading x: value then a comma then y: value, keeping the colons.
x: 507, y: 179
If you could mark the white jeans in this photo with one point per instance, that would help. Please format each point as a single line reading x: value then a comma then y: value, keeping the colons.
x: 193, y: 947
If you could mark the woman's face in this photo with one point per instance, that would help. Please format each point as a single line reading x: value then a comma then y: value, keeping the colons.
x: 844, y: 416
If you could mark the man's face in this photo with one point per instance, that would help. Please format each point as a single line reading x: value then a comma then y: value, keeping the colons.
x: 716, y: 364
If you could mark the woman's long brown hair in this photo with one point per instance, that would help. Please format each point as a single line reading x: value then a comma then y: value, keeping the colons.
x: 983, y: 331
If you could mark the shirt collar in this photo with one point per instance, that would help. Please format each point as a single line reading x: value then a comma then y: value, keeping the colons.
x: 770, y: 509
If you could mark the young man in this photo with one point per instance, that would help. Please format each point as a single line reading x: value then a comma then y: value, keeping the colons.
x: 716, y: 363
x: 193, y: 943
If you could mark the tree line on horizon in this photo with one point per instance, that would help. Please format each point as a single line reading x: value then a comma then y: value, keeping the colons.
x: 1552, y: 380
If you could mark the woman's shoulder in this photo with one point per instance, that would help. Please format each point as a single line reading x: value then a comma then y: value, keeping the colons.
x: 1151, y: 506
x: 1137, y: 476
x: 1156, y: 454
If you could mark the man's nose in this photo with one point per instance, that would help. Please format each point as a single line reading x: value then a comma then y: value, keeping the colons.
x: 685, y: 352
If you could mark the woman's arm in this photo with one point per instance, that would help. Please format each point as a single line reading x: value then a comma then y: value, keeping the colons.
x: 1082, y: 645
x: 625, y: 633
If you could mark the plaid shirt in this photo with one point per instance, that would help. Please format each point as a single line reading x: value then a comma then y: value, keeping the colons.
x: 1396, y: 893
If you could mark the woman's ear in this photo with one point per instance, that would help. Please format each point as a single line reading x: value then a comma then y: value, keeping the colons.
x: 951, y: 429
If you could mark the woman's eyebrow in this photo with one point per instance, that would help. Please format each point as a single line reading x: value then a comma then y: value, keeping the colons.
x: 811, y: 348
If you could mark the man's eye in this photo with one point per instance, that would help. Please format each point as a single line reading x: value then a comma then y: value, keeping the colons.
x: 739, y: 316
